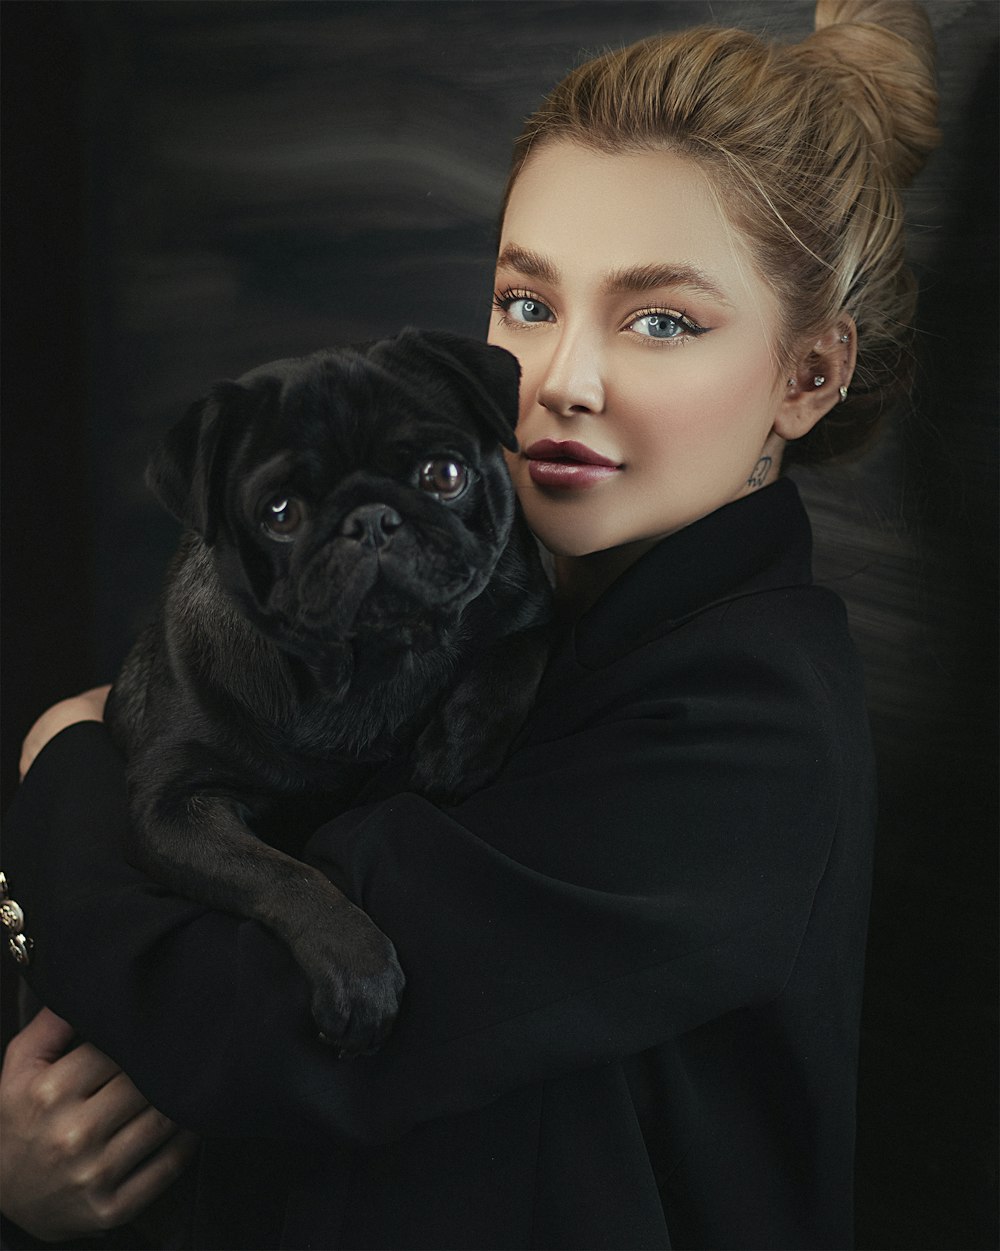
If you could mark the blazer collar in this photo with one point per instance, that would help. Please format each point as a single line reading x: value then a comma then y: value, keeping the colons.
x: 760, y: 542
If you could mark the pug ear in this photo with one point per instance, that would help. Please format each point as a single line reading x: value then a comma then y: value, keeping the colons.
x: 185, y: 470
x: 490, y: 376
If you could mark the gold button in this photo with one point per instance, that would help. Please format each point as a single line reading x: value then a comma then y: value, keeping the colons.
x: 12, y: 916
x: 20, y: 949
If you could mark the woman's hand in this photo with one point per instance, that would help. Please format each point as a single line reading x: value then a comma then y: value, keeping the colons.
x: 88, y: 706
x: 82, y: 1150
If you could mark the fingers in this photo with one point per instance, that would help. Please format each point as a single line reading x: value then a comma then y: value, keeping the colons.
x: 43, y: 1040
x: 149, y: 1180
x: 115, y: 1121
x: 72, y: 1078
x: 88, y: 1076
x: 83, y: 1150
x: 116, y: 1104
x: 85, y: 1070
x: 135, y: 1144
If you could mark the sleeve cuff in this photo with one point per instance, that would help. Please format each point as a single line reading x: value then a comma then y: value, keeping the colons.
x: 58, y: 793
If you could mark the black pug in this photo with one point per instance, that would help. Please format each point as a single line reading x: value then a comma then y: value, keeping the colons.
x: 355, y: 585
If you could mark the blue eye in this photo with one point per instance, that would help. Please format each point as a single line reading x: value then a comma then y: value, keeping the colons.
x: 660, y: 326
x: 523, y: 309
x: 531, y: 310
x: 665, y: 327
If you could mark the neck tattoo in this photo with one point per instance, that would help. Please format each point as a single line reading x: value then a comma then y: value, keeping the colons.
x: 760, y: 472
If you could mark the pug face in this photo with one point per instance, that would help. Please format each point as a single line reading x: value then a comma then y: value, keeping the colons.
x: 353, y: 497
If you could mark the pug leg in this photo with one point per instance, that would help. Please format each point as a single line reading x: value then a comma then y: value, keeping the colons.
x: 465, y: 744
x: 200, y: 846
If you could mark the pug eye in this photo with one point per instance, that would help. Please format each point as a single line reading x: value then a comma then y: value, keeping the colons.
x: 443, y: 477
x: 283, y: 517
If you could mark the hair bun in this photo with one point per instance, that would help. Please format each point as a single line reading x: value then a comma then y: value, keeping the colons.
x: 881, y: 53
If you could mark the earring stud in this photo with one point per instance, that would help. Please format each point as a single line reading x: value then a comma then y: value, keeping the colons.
x: 845, y: 338
x: 818, y: 380
x: 843, y: 394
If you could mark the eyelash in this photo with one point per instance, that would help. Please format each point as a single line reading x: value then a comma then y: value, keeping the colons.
x: 692, y: 327
x: 502, y: 300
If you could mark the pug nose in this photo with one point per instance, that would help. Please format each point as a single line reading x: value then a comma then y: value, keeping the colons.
x: 371, y: 523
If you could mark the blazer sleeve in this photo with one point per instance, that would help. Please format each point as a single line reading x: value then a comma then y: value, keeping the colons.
x: 618, y: 885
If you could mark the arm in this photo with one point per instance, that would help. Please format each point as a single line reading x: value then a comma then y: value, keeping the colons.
x: 616, y: 886
x: 81, y: 1151
x: 87, y: 706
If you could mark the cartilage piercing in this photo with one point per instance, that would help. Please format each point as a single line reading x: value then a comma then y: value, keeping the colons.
x: 818, y: 380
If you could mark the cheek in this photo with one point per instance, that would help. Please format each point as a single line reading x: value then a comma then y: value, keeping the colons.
x: 660, y: 410
x: 699, y: 401
x: 749, y: 389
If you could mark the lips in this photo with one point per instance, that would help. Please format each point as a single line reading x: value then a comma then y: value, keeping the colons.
x: 568, y: 464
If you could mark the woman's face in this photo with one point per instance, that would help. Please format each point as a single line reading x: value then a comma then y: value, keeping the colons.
x: 650, y: 382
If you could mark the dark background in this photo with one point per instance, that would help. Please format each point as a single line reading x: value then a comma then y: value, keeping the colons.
x: 193, y: 188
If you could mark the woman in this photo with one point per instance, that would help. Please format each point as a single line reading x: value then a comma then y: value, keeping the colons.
x: 634, y: 961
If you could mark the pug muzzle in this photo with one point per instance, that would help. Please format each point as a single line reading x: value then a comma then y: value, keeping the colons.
x: 355, y: 590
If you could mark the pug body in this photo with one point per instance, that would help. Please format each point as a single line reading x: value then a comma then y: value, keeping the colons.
x: 354, y: 589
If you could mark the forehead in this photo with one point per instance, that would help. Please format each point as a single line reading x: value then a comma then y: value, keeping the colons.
x: 592, y: 213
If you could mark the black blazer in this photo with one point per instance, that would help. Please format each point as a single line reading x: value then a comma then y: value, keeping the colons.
x: 634, y: 962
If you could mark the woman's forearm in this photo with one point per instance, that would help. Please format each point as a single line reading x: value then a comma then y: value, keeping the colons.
x: 631, y: 920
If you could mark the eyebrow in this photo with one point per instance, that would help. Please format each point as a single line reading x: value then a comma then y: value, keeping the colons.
x: 528, y: 263
x: 618, y: 281
x: 650, y: 277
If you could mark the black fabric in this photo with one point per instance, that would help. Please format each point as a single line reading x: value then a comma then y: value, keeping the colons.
x: 634, y: 961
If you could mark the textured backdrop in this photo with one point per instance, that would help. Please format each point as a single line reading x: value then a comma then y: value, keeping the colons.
x: 193, y: 188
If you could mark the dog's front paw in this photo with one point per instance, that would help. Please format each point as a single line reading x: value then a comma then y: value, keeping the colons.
x: 435, y: 775
x: 445, y: 777
x: 357, y: 982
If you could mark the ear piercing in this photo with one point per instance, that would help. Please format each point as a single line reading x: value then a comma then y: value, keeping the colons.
x: 820, y: 379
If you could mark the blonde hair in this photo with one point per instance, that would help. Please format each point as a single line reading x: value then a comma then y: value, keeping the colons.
x: 808, y: 147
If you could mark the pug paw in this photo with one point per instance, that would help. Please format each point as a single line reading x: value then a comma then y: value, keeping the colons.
x: 357, y: 985
x: 447, y: 775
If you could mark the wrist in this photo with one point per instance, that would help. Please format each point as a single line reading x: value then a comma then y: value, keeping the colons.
x: 88, y: 706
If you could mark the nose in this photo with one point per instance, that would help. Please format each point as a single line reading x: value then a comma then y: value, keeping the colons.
x: 573, y: 381
x: 371, y: 524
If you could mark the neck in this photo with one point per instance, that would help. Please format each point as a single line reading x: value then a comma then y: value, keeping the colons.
x: 582, y: 580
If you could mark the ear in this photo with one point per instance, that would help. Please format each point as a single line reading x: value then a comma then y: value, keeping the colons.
x: 185, y: 469
x: 824, y: 366
x: 490, y: 376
